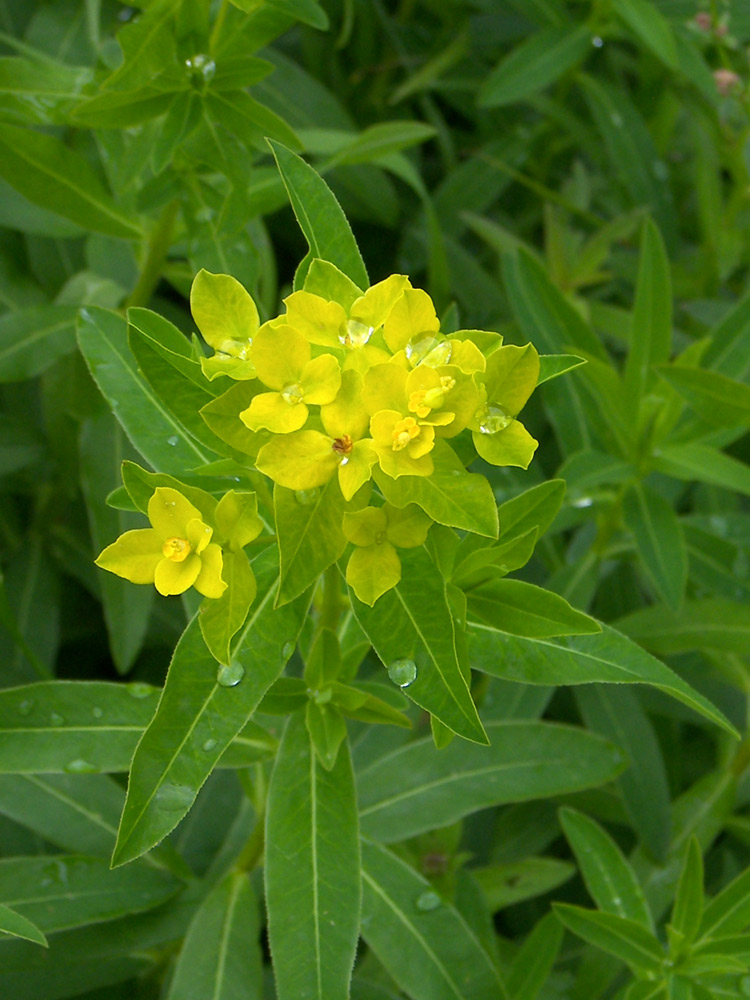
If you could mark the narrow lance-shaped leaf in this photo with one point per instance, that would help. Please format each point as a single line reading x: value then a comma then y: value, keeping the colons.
x: 607, y: 657
x: 524, y: 609
x: 321, y: 219
x: 414, y: 789
x: 31, y: 340
x: 651, y: 326
x: 533, y: 963
x: 312, y: 871
x: 411, y: 629
x: 103, y: 339
x: 55, y: 177
x: 688, y: 904
x: 200, y: 711
x: 423, y: 942
x: 623, y: 938
x: 608, y: 876
x: 220, y: 956
x: 13, y: 923
x: 659, y: 541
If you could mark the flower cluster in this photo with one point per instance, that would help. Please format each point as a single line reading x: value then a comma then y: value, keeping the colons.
x: 351, y: 381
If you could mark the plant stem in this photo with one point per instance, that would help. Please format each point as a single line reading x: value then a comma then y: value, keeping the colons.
x: 156, y: 255
x: 331, y: 605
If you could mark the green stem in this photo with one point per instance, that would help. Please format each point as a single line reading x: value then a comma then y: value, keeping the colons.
x: 156, y: 255
x: 331, y: 606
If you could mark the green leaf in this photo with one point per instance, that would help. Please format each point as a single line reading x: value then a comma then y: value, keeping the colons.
x: 608, y: 657
x: 632, y: 155
x: 511, y: 882
x: 651, y: 324
x: 450, y: 495
x: 728, y: 912
x: 625, y: 939
x: 312, y: 870
x: 617, y: 715
x: 533, y: 963
x: 649, y: 25
x: 126, y: 608
x: 495, y: 560
x: 727, y: 352
x: 706, y: 464
x: 717, y: 399
x: 308, y: 527
x: 320, y: 217
x: 534, y: 508
x: 688, y: 903
x: 13, y: 923
x: 220, y: 956
x: 65, y: 891
x: 164, y: 338
x: 200, y: 712
x: 72, y: 725
x: 54, y: 177
x: 380, y: 140
x: 221, y: 619
x: 538, y: 61
x: 527, y: 610
x: 327, y: 731
x: 250, y: 121
x: 148, y: 45
x: 609, y: 878
x: 422, y: 941
x: 414, y: 789
x: 553, y: 365
x: 31, y: 340
x: 103, y: 339
x: 412, y: 631
x: 659, y: 541
x: 707, y: 624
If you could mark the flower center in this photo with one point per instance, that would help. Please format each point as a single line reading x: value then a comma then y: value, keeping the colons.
x: 342, y: 445
x: 423, y: 400
x: 293, y: 394
x: 404, y: 431
x: 176, y: 549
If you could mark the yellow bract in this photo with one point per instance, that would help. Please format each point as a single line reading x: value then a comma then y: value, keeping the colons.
x: 374, y: 567
x: 175, y: 553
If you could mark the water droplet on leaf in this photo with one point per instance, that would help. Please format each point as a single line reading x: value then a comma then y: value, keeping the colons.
x: 403, y: 672
x: 80, y: 766
x: 230, y: 674
x: 172, y: 798
x: 209, y: 745
x: 307, y: 497
x: 173, y: 441
x: 56, y: 719
x: 493, y: 419
x: 286, y: 650
x: 428, y: 900
x: 597, y: 42
x: 139, y: 690
x: 97, y: 712
x: 25, y: 706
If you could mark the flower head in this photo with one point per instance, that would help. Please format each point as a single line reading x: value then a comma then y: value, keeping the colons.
x: 174, y: 554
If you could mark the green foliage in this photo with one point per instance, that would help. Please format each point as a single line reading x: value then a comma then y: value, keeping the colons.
x: 459, y: 720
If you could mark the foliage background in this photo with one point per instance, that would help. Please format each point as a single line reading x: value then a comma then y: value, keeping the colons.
x: 506, y: 155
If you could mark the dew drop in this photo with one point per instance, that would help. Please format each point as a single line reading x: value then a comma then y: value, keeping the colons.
x: 173, y: 440
x: 428, y: 900
x: 616, y: 120
x: 209, y: 745
x: 25, y: 707
x: 172, y: 798
x: 357, y: 334
x: 97, y: 712
x: 286, y: 650
x: 493, y: 419
x: 79, y: 766
x: 201, y: 66
x: 139, y: 690
x: 597, y: 42
x: 307, y: 497
x: 56, y: 719
x: 661, y: 170
x: 402, y: 672
x: 583, y: 502
x: 293, y: 394
x: 229, y: 675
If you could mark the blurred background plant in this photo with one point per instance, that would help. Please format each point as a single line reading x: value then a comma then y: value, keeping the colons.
x: 571, y: 173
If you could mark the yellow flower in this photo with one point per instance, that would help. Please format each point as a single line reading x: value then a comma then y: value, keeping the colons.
x: 308, y: 458
x: 374, y: 567
x: 228, y: 319
x: 508, y: 381
x: 175, y: 553
x: 283, y: 362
